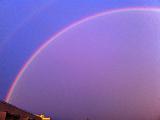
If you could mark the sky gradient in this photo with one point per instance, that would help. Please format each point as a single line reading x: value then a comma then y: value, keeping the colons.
x: 25, y: 25
x: 104, y: 67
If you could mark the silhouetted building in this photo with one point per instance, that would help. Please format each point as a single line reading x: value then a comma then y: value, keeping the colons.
x: 11, y: 112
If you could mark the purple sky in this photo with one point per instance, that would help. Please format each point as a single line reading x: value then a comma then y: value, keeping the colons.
x: 103, y: 68
x: 26, y: 24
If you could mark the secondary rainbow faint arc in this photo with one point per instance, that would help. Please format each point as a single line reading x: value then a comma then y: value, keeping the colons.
x: 155, y: 9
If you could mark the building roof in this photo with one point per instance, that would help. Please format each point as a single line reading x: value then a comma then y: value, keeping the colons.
x: 7, y: 107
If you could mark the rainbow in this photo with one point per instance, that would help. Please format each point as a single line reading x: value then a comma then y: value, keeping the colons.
x: 26, y: 65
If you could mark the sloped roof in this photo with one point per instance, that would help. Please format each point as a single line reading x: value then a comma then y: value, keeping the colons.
x: 7, y: 107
